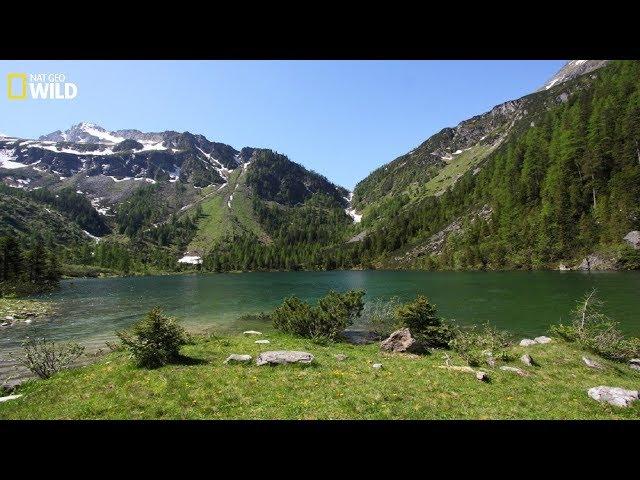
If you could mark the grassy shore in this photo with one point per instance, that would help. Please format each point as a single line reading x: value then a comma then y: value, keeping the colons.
x: 22, y: 308
x: 408, y: 387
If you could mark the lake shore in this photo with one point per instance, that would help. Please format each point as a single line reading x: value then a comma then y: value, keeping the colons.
x: 406, y: 387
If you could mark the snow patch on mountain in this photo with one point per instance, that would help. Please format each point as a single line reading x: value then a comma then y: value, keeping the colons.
x: 7, y: 160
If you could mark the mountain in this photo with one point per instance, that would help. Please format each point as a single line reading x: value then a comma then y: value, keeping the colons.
x: 545, y: 180
x: 162, y: 193
x: 573, y: 69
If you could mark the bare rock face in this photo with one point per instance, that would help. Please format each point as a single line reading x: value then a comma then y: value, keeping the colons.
x: 633, y: 239
x: 596, y: 262
x: 399, y: 341
x: 592, y: 363
x: 613, y: 395
x: 280, y: 357
x: 237, y: 358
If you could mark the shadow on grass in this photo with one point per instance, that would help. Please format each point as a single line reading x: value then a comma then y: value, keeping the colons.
x: 188, y: 361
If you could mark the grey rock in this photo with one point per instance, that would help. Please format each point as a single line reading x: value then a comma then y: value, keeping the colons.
x: 592, y: 363
x: 482, y: 376
x: 341, y: 357
x: 633, y: 239
x: 9, y: 397
x: 515, y: 370
x: 527, y: 360
x: 491, y: 361
x: 9, y: 318
x: 5, y: 324
x: 596, y: 262
x: 377, y: 366
x: 238, y: 358
x: 262, y: 341
x: 613, y: 395
x: 280, y: 357
x: 525, y: 342
x: 10, y: 385
x: 28, y: 321
x: 635, y: 363
x: 399, y: 341
x: 251, y: 332
x: 542, y: 339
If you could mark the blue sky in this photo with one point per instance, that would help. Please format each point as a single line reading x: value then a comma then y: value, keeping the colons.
x: 341, y: 118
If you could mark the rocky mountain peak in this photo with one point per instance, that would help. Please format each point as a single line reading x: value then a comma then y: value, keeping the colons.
x: 573, y: 69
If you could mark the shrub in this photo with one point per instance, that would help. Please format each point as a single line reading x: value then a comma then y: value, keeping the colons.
x: 421, y: 318
x: 44, y: 358
x: 155, y: 340
x: 596, y: 332
x: 324, y: 321
x: 472, y: 344
x: 380, y: 317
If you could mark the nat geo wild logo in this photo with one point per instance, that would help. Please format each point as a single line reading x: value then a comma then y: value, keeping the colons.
x: 40, y: 86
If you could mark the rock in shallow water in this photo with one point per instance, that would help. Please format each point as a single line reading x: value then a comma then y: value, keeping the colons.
x: 280, y: 357
x: 613, y: 395
x: 399, y: 341
x: 238, y: 358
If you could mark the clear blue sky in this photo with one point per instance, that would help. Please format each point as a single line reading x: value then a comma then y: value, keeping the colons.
x: 340, y: 118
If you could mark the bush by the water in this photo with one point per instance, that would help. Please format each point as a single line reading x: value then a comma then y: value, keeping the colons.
x: 474, y: 344
x: 595, y: 331
x: 421, y: 318
x: 44, y: 358
x: 324, y: 321
x: 155, y: 340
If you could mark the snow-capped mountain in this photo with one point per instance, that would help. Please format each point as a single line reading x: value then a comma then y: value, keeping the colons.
x: 573, y: 69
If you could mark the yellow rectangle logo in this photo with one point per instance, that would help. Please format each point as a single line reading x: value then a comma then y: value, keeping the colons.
x: 23, y: 93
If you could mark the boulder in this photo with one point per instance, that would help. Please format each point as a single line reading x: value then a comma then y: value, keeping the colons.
x: 262, y: 341
x: 613, y: 395
x: 341, y: 357
x: 377, y: 366
x: 527, y: 360
x: 482, y: 376
x: 5, y: 324
x: 633, y: 239
x: 515, y: 370
x: 238, y: 358
x: 525, y: 342
x: 9, y: 397
x: 592, y: 363
x: 280, y: 357
x: 542, y: 339
x: 9, y: 318
x: 10, y: 385
x: 634, y: 363
x: 399, y: 341
x: 252, y: 332
x: 596, y: 262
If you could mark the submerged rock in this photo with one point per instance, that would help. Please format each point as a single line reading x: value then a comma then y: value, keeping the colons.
x: 238, y: 358
x: 592, y: 363
x: 525, y: 342
x: 399, y: 341
x: 280, y: 357
x: 613, y: 395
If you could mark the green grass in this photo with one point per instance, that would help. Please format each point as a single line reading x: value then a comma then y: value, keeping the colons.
x: 219, y: 221
x: 406, y: 388
x: 457, y: 167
